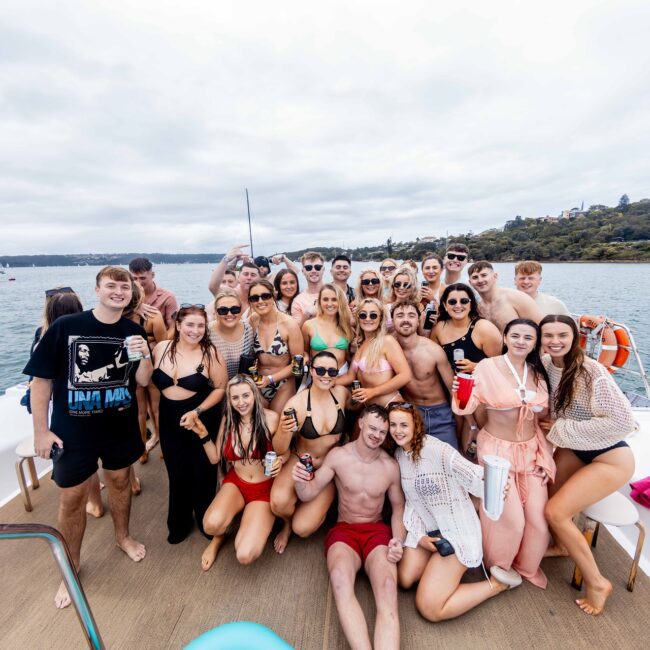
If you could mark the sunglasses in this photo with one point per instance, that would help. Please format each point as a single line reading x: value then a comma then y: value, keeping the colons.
x: 402, y: 285
x: 462, y: 301
x: 260, y: 296
x: 53, y: 292
x: 366, y: 283
x: 456, y: 256
x: 309, y: 267
x: 385, y: 269
x: 321, y: 371
x: 400, y: 406
x: 373, y: 315
x: 224, y: 311
x: 187, y: 305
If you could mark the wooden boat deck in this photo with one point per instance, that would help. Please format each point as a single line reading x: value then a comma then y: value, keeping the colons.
x: 166, y: 600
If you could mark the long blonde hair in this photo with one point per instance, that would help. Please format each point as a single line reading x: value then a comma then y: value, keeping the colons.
x: 359, y: 290
x: 343, y: 313
x: 413, y: 279
x: 376, y: 344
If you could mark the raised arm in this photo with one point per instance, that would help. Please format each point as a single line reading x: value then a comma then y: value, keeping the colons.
x: 308, y: 488
x: 216, y: 278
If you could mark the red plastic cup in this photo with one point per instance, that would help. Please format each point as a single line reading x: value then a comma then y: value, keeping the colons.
x: 465, y: 387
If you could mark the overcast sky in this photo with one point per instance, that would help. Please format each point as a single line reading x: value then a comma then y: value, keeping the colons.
x: 136, y: 126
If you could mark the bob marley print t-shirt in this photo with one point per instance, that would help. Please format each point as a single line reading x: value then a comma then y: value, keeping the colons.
x: 94, y: 384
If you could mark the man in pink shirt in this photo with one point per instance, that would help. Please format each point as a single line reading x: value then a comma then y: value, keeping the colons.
x: 162, y: 299
x: 304, y: 304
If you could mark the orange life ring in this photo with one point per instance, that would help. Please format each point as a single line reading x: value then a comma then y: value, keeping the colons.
x: 623, y: 350
x: 609, y: 347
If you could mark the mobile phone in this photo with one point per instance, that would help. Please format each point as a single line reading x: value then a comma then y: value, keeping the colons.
x: 425, y: 283
x: 442, y: 545
x: 56, y: 452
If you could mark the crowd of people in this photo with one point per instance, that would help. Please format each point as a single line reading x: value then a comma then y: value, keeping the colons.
x: 279, y: 403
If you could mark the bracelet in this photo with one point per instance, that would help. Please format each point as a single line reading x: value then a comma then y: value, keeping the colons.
x: 205, y: 440
x: 147, y: 357
x: 198, y: 410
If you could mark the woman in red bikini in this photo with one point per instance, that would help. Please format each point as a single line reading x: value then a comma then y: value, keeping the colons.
x: 242, y: 442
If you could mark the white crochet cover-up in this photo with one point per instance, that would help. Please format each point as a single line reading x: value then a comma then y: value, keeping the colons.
x: 436, y: 489
x: 596, y: 418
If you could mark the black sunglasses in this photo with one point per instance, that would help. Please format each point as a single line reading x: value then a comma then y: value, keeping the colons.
x: 187, y: 305
x: 224, y: 311
x: 309, y: 267
x: 260, y: 296
x: 453, y: 301
x: 368, y: 282
x: 53, y: 292
x: 373, y: 315
x: 321, y: 371
x: 456, y: 256
x: 385, y: 269
x: 396, y: 406
x: 402, y: 285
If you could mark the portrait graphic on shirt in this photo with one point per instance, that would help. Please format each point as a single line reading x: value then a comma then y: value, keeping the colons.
x: 96, y: 362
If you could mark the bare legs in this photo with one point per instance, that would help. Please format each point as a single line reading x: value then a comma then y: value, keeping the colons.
x: 440, y: 595
x: 343, y: 565
x: 586, y: 486
x: 72, y: 519
x: 94, y: 505
x: 153, y: 396
x: 254, y: 529
x: 141, y: 397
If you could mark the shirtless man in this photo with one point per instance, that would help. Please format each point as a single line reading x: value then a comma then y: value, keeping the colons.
x: 500, y: 305
x: 528, y: 277
x: 430, y: 368
x: 304, y: 304
x: 455, y: 260
x: 363, y: 473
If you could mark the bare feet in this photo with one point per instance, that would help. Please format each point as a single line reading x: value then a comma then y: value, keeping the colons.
x: 95, y: 509
x: 62, y: 598
x: 555, y: 550
x: 210, y: 553
x: 134, y: 549
x: 282, y: 538
x: 152, y: 442
x: 136, y: 486
x: 594, y: 602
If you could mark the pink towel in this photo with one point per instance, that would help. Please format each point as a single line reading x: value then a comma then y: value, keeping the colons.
x: 641, y: 491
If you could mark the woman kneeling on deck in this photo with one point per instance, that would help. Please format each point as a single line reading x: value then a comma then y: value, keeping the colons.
x: 243, y: 440
x: 592, y: 416
x: 436, y: 480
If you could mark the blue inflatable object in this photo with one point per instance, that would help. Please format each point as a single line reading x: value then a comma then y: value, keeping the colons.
x: 242, y: 635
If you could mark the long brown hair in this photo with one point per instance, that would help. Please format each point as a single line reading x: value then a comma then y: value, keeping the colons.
x: 417, y: 441
x: 207, y: 348
x: 574, y: 365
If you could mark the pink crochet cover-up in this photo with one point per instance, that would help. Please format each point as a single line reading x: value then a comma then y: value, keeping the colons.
x: 520, y: 537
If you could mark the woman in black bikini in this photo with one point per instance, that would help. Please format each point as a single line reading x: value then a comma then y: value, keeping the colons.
x: 321, y: 423
x: 277, y: 339
x: 191, y: 378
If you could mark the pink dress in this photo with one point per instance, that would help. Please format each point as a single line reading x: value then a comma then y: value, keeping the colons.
x: 520, y: 537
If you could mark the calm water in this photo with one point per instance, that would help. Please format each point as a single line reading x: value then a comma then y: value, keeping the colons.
x: 617, y: 290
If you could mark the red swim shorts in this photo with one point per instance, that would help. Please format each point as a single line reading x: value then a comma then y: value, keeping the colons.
x: 250, y: 491
x: 362, y: 538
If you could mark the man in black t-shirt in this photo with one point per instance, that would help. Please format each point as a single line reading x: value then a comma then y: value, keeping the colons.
x: 82, y: 362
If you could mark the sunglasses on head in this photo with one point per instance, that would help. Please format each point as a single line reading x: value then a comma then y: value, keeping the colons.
x: 462, y: 301
x: 321, y: 371
x: 397, y: 406
x: 187, y: 305
x: 260, y: 296
x: 224, y: 311
x: 373, y: 315
x: 402, y: 285
x: 456, y: 256
x: 53, y: 292
x: 309, y: 267
x: 385, y: 269
x: 368, y: 282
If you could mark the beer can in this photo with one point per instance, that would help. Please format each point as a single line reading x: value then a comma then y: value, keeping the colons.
x: 297, y: 365
x: 291, y: 413
x: 356, y: 384
x: 132, y: 356
x: 269, y: 460
x: 306, y: 461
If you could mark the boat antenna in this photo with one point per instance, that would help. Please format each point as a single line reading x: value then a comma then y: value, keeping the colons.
x: 250, y: 230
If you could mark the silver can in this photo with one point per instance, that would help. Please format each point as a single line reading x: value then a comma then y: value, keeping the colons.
x: 133, y: 356
x: 269, y: 461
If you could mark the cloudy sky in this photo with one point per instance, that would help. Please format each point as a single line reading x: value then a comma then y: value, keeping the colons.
x: 136, y: 126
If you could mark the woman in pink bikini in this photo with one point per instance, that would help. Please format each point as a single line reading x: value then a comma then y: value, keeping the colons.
x: 242, y: 442
x: 379, y: 363
x: 512, y: 392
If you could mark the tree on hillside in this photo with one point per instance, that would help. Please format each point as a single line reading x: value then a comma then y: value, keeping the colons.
x: 624, y: 203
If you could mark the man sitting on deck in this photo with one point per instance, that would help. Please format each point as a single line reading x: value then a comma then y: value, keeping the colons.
x: 364, y: 473
x: 94, y: 414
